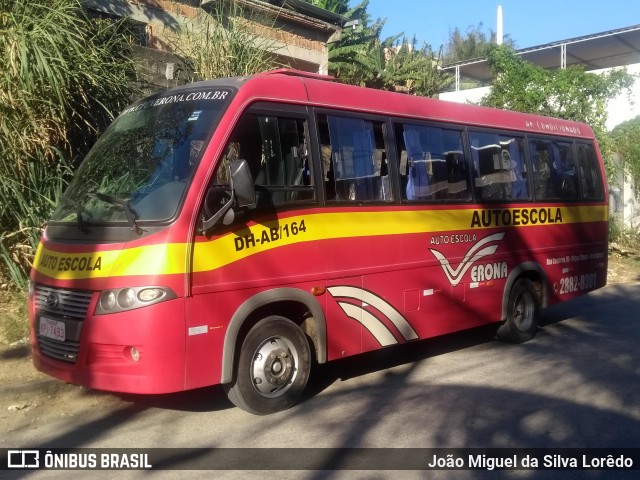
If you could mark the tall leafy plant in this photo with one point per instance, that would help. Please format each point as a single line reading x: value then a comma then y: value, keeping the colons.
x: 402, y: 67
x: 362, y: 58
x: 474, y: 43
x: 225, y: 41
x: 62, y: 79
x: 32, y: 193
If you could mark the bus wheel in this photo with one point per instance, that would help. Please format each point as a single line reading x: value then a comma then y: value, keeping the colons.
x: 523, y: 308
x: 272, y: 369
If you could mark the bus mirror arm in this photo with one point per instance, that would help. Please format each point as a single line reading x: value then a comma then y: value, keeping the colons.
x: 242, y: 195
x: 207, y: 224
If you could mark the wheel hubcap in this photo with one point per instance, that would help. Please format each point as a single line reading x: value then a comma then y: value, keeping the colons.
x: 523, y: 311
x: 274, y: 367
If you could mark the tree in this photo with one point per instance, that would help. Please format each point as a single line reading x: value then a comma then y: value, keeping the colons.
x: 400, y: 66
x: 626, y: 142
x: 571, y: 93
x: 345, y: 55
x: 362, y: 58
x: 474, y: 44
x: 341, y: 7
x: 62, y: 79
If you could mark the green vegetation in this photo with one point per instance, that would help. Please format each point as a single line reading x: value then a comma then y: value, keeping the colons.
x: 625, y: 236
x: 475, y: 43
x: 13, y: 317
x: 572, y: 94
x: 63, y: 79
x: 625, y: 139
x: 361, y: 57
x: 624, y: 249
x: 225, y: 42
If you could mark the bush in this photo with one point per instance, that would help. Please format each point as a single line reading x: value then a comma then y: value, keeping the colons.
x: 615, y: 230
x: 226, y: 42
x: 31, y: 195
x: 63, y: 76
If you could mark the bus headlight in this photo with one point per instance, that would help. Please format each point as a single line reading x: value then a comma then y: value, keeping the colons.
x: 108, y: 301
x: 130, y: 298
x: 126, y: 298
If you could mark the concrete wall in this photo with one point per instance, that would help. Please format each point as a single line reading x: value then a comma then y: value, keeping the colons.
x: 624, y: 107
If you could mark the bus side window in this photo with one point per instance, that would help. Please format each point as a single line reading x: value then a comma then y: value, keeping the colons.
x: 590, y: 174
x: 354, y: 159
x: 432, y: 163
x: 500, y: 169
x: 565, y: 171
x: 554, y: 170
x: 285, y: 170
x: 275, y: 149
x: 541, y: 169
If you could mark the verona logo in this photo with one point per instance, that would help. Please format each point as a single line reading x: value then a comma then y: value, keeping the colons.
x: 482, y: 248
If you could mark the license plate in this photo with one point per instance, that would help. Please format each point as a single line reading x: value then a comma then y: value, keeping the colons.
x: 52, y: 329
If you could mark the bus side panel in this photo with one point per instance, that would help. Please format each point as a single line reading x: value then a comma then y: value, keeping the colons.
x: 412, y: 304
x: 206, y: 324
x: 345, y: 316
x: 573, y: 266
x: 383, y: 286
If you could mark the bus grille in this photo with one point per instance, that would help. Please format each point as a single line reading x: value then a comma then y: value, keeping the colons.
x: 68, y: 306
x: 66, y: 351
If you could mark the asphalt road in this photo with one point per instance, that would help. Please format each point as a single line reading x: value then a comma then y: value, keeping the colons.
x: 577, y: 384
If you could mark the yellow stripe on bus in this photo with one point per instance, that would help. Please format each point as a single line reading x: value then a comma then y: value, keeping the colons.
x: 170, y: 258
x: 324, y: 226
x: 147, y: 260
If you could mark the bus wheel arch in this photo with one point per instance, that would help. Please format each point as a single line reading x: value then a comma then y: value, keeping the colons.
x: 295, y: 305
x: 523, y: 297
x: 273, y: 366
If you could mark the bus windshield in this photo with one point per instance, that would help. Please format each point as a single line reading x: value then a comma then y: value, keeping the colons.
x: 140, y: 167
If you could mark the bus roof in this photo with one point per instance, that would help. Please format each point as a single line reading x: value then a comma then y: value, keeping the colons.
x: 294, y: 86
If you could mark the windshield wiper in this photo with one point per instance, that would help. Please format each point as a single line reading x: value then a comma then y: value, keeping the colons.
x: 78, y: 209
x: 123, y: 204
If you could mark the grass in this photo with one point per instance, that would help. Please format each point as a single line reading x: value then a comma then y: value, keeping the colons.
x: 14, y: 325
x: 633, y: 262
x: 624, y: 262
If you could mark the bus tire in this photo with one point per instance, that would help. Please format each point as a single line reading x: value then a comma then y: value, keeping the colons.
x: 272, y: 368
x: 523, y: 311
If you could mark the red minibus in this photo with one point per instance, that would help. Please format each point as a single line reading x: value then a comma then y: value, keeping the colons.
x: 236, y: 231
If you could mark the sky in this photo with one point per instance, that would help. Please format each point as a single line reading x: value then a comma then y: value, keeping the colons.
x: 528, y: 22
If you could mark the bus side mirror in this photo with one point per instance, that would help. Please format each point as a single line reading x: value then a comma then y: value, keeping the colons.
x: 243, y: 194
x: 242, y: 183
